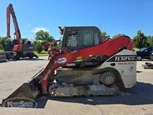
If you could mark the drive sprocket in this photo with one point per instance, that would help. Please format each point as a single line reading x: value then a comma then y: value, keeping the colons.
x: 107, y: 78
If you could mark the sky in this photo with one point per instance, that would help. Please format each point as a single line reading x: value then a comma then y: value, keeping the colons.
x: 112, y: 16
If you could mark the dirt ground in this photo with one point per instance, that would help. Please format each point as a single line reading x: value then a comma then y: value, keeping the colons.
x: 138, y: 101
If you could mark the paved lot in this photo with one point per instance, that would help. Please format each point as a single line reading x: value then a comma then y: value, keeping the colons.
x: 139, y: 100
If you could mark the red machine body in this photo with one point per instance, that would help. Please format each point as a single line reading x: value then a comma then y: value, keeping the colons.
x: 108, y: 48
x: 46, y: 46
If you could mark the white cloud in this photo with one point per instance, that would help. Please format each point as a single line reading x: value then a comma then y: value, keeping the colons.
x: 35, y: 30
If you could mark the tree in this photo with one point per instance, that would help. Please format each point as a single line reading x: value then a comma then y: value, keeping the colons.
x: 117, y: 35
x: 104, y: 35
x: 38, y: 47
x: 43, y: 37
x: 2, y: 42
x: 1, y: 47
x: 140, y: 39
x: 150, y: 40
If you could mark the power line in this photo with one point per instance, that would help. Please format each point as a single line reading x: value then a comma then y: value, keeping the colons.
x: 149, y: 32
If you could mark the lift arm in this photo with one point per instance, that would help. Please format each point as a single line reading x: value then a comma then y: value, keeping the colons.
x: 55, y: 62
x: 10, y: 11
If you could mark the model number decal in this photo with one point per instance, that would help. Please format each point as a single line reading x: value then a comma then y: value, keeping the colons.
x: 122, y: 58
x: 61, y: 60
x: 125, y: 58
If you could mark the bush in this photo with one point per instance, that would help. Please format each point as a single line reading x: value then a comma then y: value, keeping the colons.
x: 1, y: 47
x: 38, y: 47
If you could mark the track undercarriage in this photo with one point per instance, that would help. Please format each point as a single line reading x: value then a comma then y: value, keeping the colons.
x: 69, y: 90
x: 83, y: 82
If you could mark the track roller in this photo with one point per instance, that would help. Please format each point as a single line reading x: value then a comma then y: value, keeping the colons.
x: 69, y: 90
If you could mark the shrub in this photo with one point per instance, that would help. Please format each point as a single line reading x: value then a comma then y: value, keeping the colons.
x: 38, y: 47
x: 1, y: 47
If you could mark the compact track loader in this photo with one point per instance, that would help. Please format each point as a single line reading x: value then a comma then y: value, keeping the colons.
x: 84, y: 65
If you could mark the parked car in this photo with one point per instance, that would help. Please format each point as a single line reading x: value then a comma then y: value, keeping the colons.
x: 145, y: 53
x: 151, y: 55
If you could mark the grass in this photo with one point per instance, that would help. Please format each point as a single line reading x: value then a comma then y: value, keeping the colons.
x: 43, y: 53
x: 136, y: 49
x: 1, y: 50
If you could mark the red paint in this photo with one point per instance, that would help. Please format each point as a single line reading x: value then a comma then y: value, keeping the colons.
x: 53, y: 65
x: 125, y: 63
x: 108, y: 48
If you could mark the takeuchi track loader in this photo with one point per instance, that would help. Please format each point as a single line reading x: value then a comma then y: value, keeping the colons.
x: 84, y: 65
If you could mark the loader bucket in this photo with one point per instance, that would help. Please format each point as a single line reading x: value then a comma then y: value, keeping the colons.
x: 29, y: 90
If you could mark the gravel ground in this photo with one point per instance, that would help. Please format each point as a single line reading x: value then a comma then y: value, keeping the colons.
x: 138, y: 101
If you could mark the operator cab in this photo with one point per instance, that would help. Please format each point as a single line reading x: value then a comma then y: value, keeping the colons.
x: 80, y: 37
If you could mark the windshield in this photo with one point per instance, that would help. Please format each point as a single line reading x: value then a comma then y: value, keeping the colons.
x: 142, y: 49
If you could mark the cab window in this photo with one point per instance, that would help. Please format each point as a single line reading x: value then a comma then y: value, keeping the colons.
x: 90, y: 37
x: 72, y: 39
x: 96, y: 38
x: 87, y: 37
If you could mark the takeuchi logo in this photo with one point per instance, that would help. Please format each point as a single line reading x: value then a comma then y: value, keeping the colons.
x: 20, y: 102
x: 61, y: 60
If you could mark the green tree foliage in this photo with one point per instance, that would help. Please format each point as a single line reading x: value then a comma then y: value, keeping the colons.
x: 38, y: 47
x: 1, y: 47
x: 150, y: 40
x: 43, y: 37
x: 104, y: 35
x: 117, y: 35
x: 2, y: 42
x: 141, y: 40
